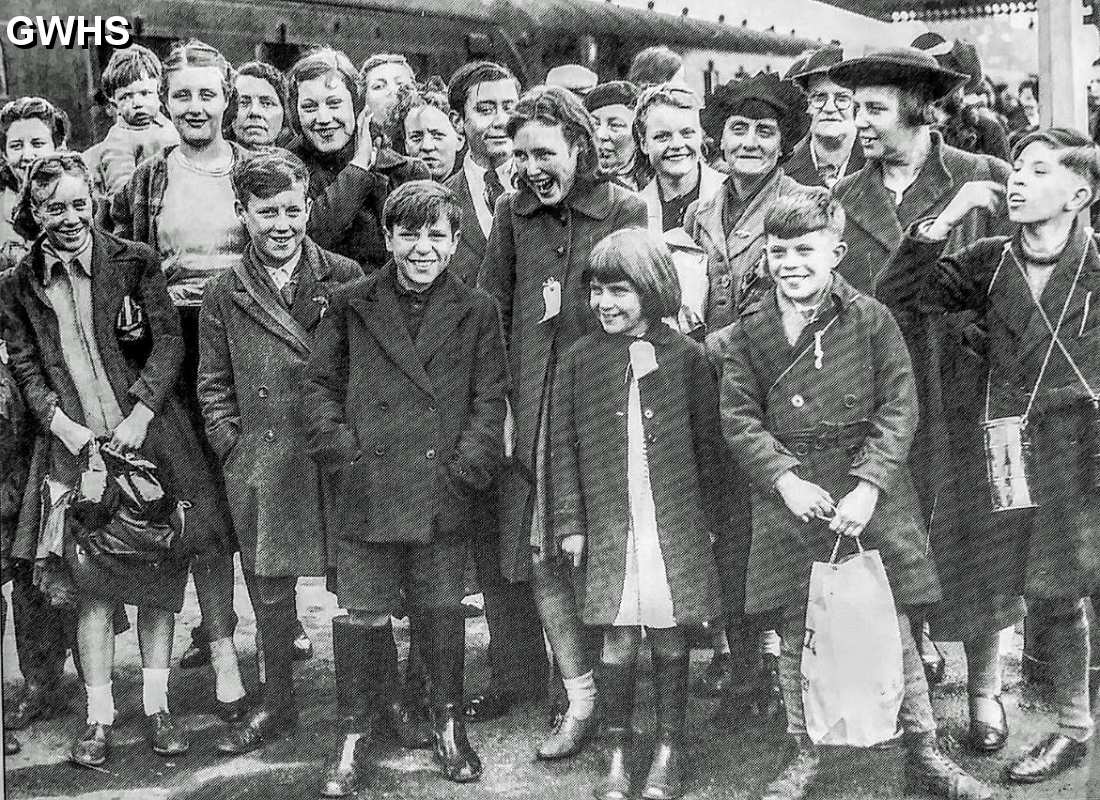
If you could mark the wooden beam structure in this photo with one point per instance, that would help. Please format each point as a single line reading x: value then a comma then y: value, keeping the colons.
x: 1062, y: 98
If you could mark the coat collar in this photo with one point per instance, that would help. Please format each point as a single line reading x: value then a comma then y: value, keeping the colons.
x: 472, y: 234
x: 256, y: 296
x: 872, y: 206
x: 762, y: 322
x: 592, y: 199
x: 710, y: 184
x: 376, y: 304
x: 749, y: 225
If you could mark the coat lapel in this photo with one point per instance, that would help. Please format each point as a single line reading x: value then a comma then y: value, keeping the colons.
x: 870, y: 205
x: 472, y: 234
x: 313, y: 271
x: 763, y: 325
x: 108, y: 286
x: 750, y: 225
x: 378, y: 310
x: 258, y: 300
x: 442, y: 316
x: 932, y: 183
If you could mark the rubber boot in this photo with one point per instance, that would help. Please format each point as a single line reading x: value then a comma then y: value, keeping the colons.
x: 359, y: 653
x: 445, y: 640
x: 617, y: 691
x: 670, y: 685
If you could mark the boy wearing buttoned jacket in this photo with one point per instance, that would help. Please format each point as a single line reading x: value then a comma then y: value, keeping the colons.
x: 819, y: 406
x: 406, y: 389
x: 256, y: 330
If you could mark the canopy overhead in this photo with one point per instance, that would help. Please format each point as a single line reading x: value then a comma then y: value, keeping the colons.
x: 931, y: 10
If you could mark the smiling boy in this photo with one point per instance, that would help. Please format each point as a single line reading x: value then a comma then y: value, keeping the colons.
x: 406, y: 390
x: 819, y: 406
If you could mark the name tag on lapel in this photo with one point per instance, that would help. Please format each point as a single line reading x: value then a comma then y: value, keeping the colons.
x: 551, y: 299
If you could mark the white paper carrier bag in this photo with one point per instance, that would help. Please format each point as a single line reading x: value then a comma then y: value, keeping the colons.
x: 852, y: 677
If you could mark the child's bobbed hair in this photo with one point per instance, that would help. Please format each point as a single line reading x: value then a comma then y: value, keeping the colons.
x: 642, y: 258
x: 804, y: 210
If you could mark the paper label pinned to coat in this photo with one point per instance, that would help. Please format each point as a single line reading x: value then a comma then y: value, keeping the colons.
x: 551, y: 299
x: 643, y: 358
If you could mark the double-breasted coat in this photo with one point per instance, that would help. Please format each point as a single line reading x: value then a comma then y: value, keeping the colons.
x: 838, y: 407
x: 253, y: 353
x: 1053, y: 550
x: 949, y: 366
x: 120, y: 270
x: 412, y: 430
x: 732, y: 260
x: 529, y: 245
x: 684, y: 454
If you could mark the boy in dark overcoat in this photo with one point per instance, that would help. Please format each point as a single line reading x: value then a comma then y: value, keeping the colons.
x: 1034, y: 292
x: 256, y: 330
x: 406, y: 386
x: 819, y: 406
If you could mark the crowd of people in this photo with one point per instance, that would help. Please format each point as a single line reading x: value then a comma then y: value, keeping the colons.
x: 638, y: 358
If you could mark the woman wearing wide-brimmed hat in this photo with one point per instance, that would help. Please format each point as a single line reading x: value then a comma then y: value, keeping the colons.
x: 911, y: 174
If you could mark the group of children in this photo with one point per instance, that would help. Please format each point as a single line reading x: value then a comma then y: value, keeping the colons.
x: 401, y: 386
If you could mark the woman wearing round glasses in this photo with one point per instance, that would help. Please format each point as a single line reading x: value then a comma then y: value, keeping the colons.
x: 829, y: 152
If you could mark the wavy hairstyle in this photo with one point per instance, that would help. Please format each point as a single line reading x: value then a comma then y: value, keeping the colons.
x: 21, y: 108
x: 317, y: 63
x: 40, y: 184
x: 552, y: 105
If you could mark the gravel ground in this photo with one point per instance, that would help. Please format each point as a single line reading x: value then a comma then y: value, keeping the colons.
x: 721, y: 765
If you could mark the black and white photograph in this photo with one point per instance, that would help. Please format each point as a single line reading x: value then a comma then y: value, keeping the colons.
x: 550, y: 399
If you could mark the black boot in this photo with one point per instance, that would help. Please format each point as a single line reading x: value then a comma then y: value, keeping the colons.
x: 405, y: 717
x: 277, y: 715
x: 929, y: 771
x: 446, y: 662
x: 42, y: 643
x: 358, y: 656
x: 617, y: 690
x: 670, y: 685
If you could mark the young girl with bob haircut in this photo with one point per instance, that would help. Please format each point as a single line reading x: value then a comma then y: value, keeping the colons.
x: 637, y: 392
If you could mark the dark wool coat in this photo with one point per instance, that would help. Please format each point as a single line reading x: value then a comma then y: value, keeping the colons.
x: 471, y: 245
x: 346, y: 217
x: 588, y: 460
x: 412, y: 430
x: 851, y: 419
x: 732, y: 542
x: 1052, y: 551
x: 14, y: 456
x: 135, y: 208
x: 799, y: 166
x: 731, y: 259
x: 120, y: 269
x: 948, y: 363
x: 529, y: 244
x: 251, y: 369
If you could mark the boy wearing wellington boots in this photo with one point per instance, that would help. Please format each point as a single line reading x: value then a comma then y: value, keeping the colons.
x: 406, y: 386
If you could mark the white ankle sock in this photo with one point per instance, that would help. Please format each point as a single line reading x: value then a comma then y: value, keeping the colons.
x: 582, y: 695
x: 101, y: 704
x: 227, y: 674
x: 154, y: 690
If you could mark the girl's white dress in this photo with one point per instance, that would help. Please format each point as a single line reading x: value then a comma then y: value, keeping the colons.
x: 647, y: 599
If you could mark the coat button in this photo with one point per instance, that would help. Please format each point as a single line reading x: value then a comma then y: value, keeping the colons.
x: 270, y: 436
x: 798, y: 401
x: 380, y: 451
x: 648, y: 413
x: 383, y: 405
x: 262, y: 391
x: 431, y: 409
x: 849, y: 401
x: 725, y: 281
x: 430, y: 455
x: 620, y: 413
x: 560, y: 251
x: 742, y: 234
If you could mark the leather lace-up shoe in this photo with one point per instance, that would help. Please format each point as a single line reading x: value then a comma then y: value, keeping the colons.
x: 1058, y: 753
x: 93, y: 746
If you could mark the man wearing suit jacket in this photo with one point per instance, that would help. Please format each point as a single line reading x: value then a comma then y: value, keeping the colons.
x: 481, y: 95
